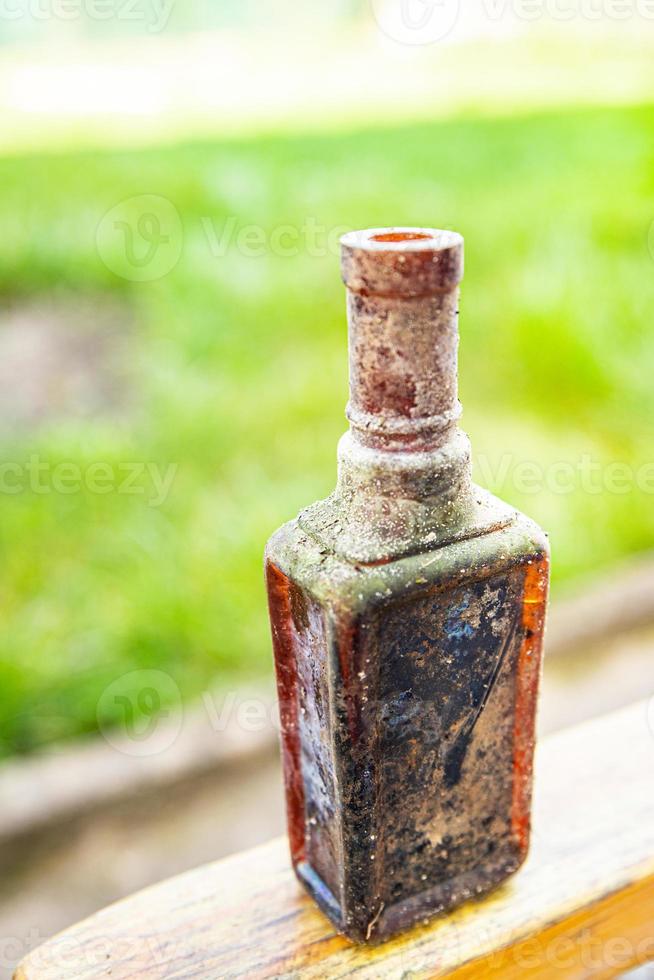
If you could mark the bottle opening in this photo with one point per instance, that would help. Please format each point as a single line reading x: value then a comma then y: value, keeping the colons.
x: 400, y: 236
x: 401, y: 261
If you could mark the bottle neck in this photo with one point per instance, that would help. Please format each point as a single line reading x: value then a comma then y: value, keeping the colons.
x: 403, y: 369
x: 404, y: 474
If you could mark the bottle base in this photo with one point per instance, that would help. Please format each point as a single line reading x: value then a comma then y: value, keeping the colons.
x: 418, y: 910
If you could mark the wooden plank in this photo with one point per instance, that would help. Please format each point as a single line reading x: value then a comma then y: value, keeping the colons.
x: 582, y: 906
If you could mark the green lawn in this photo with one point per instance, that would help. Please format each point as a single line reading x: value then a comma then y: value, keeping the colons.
x: 237, y: 374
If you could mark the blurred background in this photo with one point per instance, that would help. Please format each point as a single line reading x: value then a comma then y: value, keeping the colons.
x: 175, y: 175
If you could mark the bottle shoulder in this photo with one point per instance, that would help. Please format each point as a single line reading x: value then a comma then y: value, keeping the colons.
x: 349, y: 587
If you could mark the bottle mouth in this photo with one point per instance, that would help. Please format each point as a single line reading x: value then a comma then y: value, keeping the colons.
x: 401, y: 261
x: 402, y: 236
x: 400, y: 239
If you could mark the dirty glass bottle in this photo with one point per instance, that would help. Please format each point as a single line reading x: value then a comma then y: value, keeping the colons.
x: 407, y: 613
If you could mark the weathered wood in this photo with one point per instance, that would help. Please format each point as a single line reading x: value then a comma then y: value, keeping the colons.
x: 582, y: 906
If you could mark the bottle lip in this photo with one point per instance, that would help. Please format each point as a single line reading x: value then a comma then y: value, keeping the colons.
x: 401, y: 261
x: 402, y: 238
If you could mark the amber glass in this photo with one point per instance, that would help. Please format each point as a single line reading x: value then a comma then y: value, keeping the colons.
x: 407, y: 614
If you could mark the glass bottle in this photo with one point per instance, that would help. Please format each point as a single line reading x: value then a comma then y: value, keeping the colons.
x: 407, y: 613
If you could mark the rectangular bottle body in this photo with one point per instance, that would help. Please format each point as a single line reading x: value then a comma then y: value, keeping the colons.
x: 408, y: 695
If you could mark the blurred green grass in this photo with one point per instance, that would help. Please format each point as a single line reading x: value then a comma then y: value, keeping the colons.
x: 239, y: 371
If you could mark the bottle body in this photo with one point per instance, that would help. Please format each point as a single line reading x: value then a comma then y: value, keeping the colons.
x: 407, y: 695
x: 407, y: 613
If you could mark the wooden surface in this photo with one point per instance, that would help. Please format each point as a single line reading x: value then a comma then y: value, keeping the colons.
x: 582, y: 906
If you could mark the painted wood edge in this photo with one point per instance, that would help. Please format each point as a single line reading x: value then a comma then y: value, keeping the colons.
x: 629, y: 890
x: 575, y: 946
